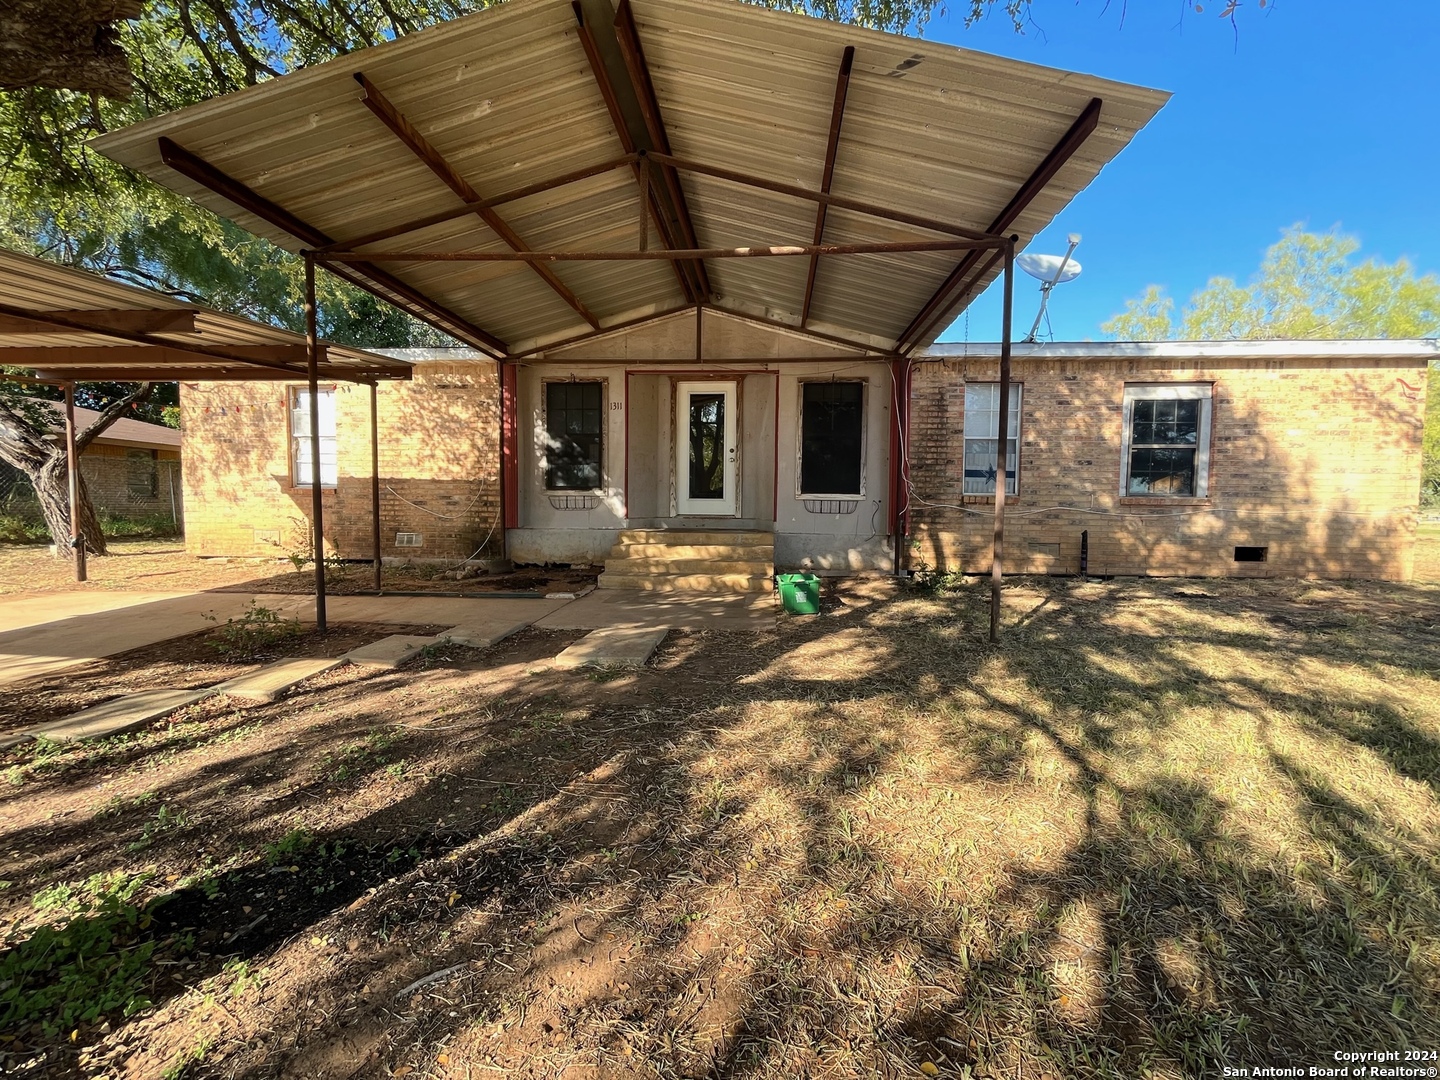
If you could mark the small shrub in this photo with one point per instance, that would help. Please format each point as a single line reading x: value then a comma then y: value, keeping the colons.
x: 254, y: 633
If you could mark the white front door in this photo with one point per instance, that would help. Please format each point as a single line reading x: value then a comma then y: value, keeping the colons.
x: 705, y: 449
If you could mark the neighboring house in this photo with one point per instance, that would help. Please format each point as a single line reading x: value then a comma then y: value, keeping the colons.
x: 132, y: 470
x: 1208, y: 458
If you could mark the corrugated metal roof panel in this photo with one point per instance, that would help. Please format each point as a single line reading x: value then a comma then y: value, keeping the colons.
x: 508, y: 98
x: 40, y: 286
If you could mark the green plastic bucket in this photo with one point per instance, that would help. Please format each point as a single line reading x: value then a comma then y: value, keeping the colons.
x: 800, y: 593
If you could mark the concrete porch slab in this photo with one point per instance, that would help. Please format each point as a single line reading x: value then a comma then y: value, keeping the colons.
x: 388, y: 652
x: 118, y: 716
x: 676, y: 611
x: 614, y: 646
x: 481, y: 635
x: 270, y: 682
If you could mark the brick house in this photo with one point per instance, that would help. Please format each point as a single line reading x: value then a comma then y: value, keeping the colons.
x: 131, y: 471
x: 1198, y: 458
x: 700, y: 251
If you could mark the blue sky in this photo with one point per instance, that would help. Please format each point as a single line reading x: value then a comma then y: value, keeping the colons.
x: 1322, y: 113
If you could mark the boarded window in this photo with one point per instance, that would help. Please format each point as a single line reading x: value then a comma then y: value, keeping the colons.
x: 832, y: 434
x: 142, y: 474
x: 300, y: 442
x: 1167, y: 432
x: 982, y: 438
x: 574, y: 435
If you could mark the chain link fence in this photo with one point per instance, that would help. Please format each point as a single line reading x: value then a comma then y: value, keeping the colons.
x: 134, y: 495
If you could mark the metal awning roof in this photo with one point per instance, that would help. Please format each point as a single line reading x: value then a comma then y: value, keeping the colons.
x: 553, y: 127
x: 69, y: 324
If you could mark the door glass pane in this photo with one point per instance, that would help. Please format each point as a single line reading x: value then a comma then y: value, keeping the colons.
x: 707, y: 446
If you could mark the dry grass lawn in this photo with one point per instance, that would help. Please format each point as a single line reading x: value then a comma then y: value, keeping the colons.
x: 1165, y: 827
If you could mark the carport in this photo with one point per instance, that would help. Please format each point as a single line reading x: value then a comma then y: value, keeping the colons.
x: 67, y: 326
x: 543, y: 173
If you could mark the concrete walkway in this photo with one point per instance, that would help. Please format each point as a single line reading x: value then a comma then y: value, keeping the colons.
x: 44, y: 633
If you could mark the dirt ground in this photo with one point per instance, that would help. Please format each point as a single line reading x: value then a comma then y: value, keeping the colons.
x: 162, y: 565
x: 1164, y: 827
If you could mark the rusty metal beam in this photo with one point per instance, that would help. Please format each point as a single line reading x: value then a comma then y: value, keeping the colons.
x: 514, y: 195
x: 67, y: 322
x: 841, y: 202
x: 837, y: 116
x: 759, y: 251
x: 1055, y: 160
x: 370, y: 278
x: 54, y: 357
x: 183, y: 373
x: 633, y: 54
x: 627, y: 324
x: 147, y: 321
x: 421, y: 147
x: 648, y: 196
x: 805, y: 331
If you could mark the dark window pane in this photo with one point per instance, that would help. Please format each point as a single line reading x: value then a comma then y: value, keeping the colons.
x: 1162, y: 471
x: 707, y: 446
x: 573, y: 435
x: 831, y: 433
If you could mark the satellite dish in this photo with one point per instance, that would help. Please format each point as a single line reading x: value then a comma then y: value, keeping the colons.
x: 1051, y: 270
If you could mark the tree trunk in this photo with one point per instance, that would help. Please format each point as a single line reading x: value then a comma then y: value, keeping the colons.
x: 65, y: 44
x: 52, y: 488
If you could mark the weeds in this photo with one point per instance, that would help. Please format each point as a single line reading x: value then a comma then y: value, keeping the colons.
x: 165, y: 820
x: 253, y: 634
x: 91, y: 965
x: 294, y: 843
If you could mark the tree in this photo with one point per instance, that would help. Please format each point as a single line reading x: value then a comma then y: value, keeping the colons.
x: 1430, y: 447
x: 29, y: 443
x: 1307, y: 287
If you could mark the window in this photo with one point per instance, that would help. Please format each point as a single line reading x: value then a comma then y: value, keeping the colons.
x: 1167, y: 441
x: 574, y: 435
x: 982, y: 438
x: 300, y: 444
x: 832, y: 438
x: 142, y: 474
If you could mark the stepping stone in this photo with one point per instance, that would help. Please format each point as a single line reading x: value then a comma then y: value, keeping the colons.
x: 388, y: 652
x: 615, y: 646
x: 270, y: 682
x: 119, y: 716
x: 483, y: 635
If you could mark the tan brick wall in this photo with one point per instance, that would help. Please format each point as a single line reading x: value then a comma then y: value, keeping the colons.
x: 439, y: 470
x: 1317, y: 460
x: 107, y: 473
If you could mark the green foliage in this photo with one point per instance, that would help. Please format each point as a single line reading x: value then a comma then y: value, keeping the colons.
x: 1430, y: 467
x: 1307, y: 287
x: 295, y: 842
x: 254, y: 633
x: 92, y: 964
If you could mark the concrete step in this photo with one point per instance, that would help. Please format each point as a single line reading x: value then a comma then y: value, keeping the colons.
x: 671, y: 537
x: 765, y: 553
x: 668, y: 564
x: 699, y: 583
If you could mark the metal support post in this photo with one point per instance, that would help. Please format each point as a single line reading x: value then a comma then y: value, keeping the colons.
x: 317, y: 508
x: 72, y: 468
x: 1002, y: 434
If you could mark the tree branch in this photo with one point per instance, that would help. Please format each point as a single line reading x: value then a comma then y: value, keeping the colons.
x: 112, y: 412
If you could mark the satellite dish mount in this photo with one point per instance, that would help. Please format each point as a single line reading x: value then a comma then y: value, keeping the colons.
x: 1050, y: 270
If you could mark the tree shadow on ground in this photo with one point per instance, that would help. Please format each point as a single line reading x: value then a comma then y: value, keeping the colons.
x: 1147, y: 834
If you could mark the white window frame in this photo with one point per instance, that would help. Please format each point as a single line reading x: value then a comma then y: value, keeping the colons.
x: 1201, y: 392
x: 544, y: 434
x: 300, y: 477
x: 1016, y: 393
x: 851, y: 496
